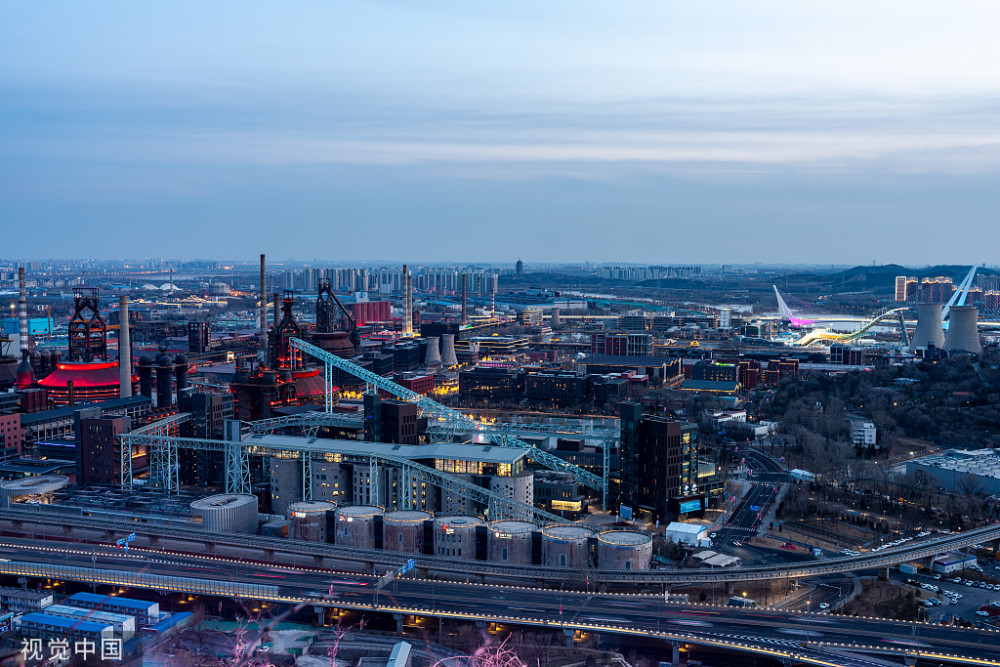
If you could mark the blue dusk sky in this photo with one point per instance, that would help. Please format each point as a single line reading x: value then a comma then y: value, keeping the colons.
x: 654, y: 132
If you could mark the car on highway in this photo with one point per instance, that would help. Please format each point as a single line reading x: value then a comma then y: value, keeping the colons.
x: 824, y: 605
x: 789, y: 546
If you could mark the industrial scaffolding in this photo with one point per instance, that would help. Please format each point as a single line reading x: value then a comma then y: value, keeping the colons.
x: 239, y: 451
x: 443, y: 419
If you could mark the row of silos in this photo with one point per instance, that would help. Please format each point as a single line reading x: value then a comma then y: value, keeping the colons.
x: 570, y: 546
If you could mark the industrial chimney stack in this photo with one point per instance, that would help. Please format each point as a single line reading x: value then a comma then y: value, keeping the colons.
x: 262, y: 347
x: 22, y: 312
x: 407, y: 304
x: 124, y: 349
x: 465, y: 304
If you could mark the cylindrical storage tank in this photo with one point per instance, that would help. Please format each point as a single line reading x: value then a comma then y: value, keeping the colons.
x: 180, y: 372
x: 624, y: 550
x: 404, y: 531
x: 565, y: 545
x: 227, y: 513
x: 929, y: 330
x: 145, y: 368
x: 963, y: 330
x: 356, y: 526
x: 455, y: 536
x: 39, y: 485
x: 308, y: 520
x: 164, y: 382
x: 510, y: 542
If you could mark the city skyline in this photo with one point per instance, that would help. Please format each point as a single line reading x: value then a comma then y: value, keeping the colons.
x: 451, y: 131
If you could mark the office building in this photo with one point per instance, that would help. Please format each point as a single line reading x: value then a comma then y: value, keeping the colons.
x: 491, y: 383
x: 651, y: 458
x: 98, y: 452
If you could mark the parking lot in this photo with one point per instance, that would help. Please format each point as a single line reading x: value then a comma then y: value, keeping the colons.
x: 959, y: 595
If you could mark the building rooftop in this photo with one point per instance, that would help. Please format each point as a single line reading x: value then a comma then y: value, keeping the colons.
x: 624, y: 360
x: 456, y: 451
x: 981, y: 462
x: 94, y: 598
x: 66, y: 412
x: 67, y: 623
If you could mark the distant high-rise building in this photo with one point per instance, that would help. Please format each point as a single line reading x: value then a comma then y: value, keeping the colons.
x: 519, y: 267
x: 936, y: 290
x: 906, y: 289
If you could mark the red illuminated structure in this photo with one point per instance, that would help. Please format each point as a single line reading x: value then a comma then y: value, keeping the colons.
x: 87, y: 376
x: 92, y: 381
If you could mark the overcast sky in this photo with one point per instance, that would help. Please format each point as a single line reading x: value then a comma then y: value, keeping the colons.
x: 659, y: 132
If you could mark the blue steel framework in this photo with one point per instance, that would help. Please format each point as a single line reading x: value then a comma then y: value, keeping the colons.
x: 505, y: 435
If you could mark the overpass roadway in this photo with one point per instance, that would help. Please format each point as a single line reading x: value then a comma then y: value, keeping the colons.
x: 795, y: 638
x: 368, y: 558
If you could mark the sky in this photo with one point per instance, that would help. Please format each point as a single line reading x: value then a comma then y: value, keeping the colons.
x: 650, y: 132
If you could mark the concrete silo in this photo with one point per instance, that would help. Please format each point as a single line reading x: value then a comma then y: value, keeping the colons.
x: 404, y: 531
x: 624, y: 550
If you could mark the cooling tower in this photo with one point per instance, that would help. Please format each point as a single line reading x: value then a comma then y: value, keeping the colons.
x: 929, y: 331
x: 433, y: 357
x: 963, y: 330
x: 555, y: 322
x: 448, y: 357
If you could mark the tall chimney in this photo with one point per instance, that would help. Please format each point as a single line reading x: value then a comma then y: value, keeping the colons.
x: 262, y: 347
x: 124, y: 348
x: 22, y: 304
x: 465, y: 304
x: 407, y: 304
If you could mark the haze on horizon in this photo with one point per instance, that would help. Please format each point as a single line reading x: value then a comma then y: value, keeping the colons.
x: 650, y: 132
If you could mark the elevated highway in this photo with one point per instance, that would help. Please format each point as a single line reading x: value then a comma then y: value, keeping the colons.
x: 790, y: 637
x: 17, y: 521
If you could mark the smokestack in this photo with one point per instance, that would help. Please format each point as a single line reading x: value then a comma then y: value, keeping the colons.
x: 963, y: 330
x: 124, y: 349
x: 22, y: 308
x: 407, y: 304
x: 262, y: 347
x: 465, y: 304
